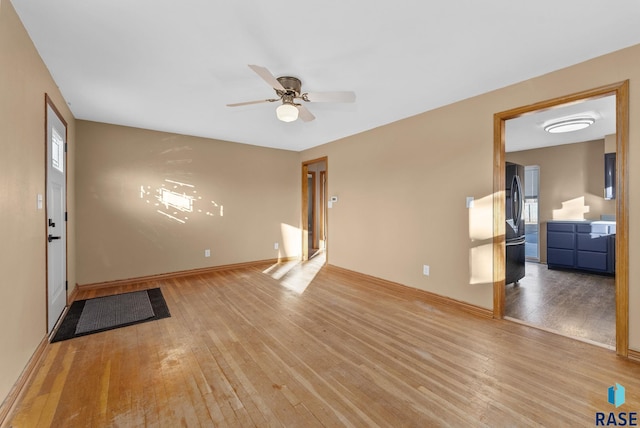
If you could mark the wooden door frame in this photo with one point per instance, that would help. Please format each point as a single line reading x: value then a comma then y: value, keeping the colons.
x: 312, y: 194
x: 621, y: 91
x: 305, y: 205
x: 323, y: 207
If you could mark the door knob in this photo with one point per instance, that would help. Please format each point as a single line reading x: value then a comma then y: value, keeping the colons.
x: 51, y: 238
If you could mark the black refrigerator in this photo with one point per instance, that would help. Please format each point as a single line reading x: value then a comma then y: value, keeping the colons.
x: 514, y: 229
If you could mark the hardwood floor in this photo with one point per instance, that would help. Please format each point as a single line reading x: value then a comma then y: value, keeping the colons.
x: 242, y: 350
x: 575, y: 304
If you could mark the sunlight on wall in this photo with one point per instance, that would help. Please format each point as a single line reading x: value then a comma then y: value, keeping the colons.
x: 173, y: 199
x: 481, y: 219
x: 172, y: 217
x: 574, y: 209
x: 481, y: 264
x: 291, y: 240
x: 481, y: 231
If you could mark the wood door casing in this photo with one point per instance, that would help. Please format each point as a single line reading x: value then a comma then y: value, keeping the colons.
x: 306, y: 194
x: 312, y: 209
x: 621, y: 91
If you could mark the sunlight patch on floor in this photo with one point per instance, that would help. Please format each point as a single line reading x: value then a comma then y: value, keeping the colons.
x: 296, y: 275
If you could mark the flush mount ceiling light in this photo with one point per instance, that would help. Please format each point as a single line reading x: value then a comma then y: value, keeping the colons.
x: 569, y: 125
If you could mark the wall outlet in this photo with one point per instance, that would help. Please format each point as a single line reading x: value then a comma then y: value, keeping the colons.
x: 276, y: 245
x: 207, y: 253
x: 425, y: 270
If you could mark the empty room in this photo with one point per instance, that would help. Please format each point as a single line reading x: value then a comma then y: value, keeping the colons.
x: 302, y: 214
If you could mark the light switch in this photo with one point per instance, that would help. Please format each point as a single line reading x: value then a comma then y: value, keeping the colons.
x: 469, y: 201
x: 39, y: 201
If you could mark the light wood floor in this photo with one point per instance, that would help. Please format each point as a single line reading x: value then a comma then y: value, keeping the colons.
x: 242, y: 350
x: 576, y: 304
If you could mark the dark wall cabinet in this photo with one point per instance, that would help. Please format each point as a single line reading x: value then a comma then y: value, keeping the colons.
x: 582, y: 245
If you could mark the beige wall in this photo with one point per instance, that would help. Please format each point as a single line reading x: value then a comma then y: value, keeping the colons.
x: 251, y: 194
x: 401, y: 203
x: 402, y: 187
x: 24, y: 80
x: 610, y: 143
x: 571, y: 183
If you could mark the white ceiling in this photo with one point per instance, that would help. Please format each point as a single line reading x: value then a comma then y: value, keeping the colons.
x: 174, y: 65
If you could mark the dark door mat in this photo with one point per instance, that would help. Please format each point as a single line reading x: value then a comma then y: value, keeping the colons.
x: 109, y: 312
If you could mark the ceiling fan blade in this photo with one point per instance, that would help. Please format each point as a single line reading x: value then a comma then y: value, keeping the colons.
x: 304, y: 113
x: 267, y: 77
x: 330, y: 97
x: 246, y: 103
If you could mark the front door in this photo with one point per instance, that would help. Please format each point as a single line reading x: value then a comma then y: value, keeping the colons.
x: 56, y: 226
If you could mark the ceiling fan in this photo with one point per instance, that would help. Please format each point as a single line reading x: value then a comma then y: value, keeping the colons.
x: 288, y: 90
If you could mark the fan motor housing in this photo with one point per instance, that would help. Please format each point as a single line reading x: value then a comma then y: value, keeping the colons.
x: 290, y: 84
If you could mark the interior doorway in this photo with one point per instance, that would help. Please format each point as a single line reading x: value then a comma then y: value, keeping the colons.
x: 311, y: 213
x: 567, y: 218
x: 620, y: 91
x: 314, y: 206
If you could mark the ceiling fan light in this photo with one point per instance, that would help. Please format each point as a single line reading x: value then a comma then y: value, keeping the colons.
x: 287, y: 112
x: 569, y: 125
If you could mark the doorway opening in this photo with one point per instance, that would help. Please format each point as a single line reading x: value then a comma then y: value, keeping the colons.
x: 311, y: 213
x: 531, y: 210
x: 621, y: 286
x: 314, y: 206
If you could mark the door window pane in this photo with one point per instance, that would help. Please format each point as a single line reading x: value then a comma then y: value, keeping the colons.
x: 57, y: 150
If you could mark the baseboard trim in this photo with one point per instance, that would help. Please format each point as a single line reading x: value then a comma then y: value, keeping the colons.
x: 72, y: 297
x: 18, y: 387
x: 633, y: 355
x: 423, y: 295
x: 179, y: 274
